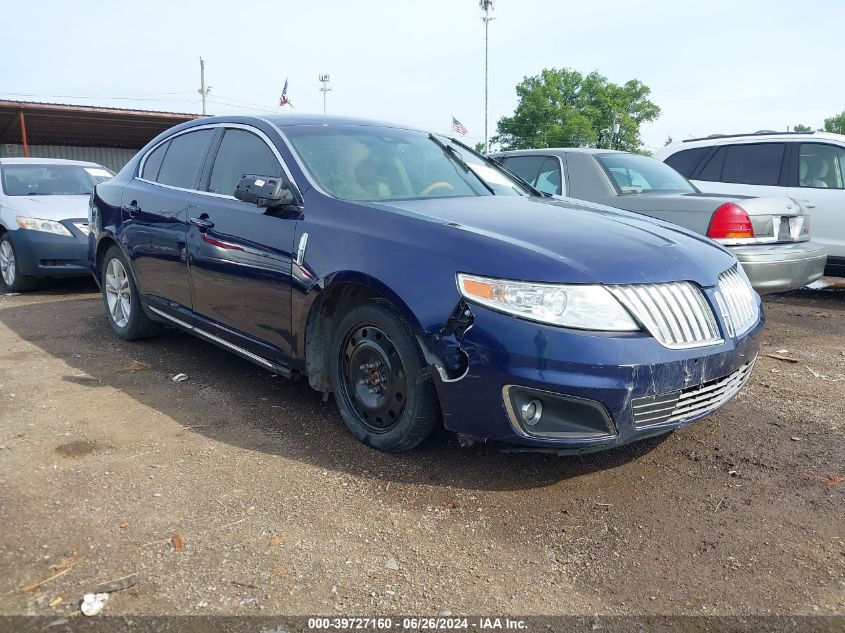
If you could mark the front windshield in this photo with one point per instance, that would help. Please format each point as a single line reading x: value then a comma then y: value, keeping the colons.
x: 636, y: 174
x: 51, y: 180
x: 355, y: 162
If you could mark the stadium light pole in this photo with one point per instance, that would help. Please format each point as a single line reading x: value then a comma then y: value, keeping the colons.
x: 487, y: 7
x: 324, y: 79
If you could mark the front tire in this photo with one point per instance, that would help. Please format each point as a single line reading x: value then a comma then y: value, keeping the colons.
x: 11, y: 279
x: 382, y: 385
x: 122, y: 302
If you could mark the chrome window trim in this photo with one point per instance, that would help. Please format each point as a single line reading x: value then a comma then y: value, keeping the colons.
x: 211, y: 126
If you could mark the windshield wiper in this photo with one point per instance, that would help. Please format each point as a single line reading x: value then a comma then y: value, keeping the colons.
x: 457, y: 158
x: 531, y: 188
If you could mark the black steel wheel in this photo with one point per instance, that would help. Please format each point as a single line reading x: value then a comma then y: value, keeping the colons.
x: 380, y: 379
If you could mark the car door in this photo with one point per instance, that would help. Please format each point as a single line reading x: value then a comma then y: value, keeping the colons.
x: 240, y: 254
x: 155, y: 213
x: 750, y: 169
x: 817, y: 181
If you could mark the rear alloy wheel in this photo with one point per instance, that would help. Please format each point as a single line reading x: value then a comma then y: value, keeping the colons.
x: 380, y: 379
x: 11, y: 279
x: 120, y: 297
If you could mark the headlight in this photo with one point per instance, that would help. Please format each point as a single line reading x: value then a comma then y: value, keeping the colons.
x: 582, y: 307
x: 48, y: 226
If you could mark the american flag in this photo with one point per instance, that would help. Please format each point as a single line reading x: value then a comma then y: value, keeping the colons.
x: 283, y: 98
x: 458, y: 127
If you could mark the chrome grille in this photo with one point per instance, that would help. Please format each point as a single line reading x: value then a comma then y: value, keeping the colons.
x: 737, y: 302
x: 677, y: 406
x: 676, y: 314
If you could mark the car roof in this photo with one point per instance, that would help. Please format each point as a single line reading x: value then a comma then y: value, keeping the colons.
x: 557, y: 150
x: 292, y: 120
x: 283, y: 121
x: 755, y: 137
x: 46, y: 161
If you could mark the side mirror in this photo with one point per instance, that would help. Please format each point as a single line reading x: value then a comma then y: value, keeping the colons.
x: 263, y: 191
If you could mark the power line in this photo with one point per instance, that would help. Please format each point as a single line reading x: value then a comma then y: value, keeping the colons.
x: 237, y: 105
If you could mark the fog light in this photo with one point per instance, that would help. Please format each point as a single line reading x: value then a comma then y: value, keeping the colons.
x: 531, y: 412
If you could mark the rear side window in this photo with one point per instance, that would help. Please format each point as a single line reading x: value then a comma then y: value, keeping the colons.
x: 153, y: 162
x: 548, y: 180
x: 526, y: 167
x: 183, y: 160
x: 821, y: 166
x: 756, y: 164
x: 240, y: 153
x: 685, y: 161
x: 712, y: 170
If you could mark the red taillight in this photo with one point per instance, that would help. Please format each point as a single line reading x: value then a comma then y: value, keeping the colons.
x: 730, y: 222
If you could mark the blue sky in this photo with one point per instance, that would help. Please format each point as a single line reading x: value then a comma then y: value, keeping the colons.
x: 716, y: 66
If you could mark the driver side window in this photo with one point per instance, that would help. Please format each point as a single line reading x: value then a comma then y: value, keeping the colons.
x: 240, y: 153
x: 821, y: 166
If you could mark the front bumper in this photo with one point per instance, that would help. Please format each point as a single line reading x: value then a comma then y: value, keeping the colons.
x: 41, y: 254
x: 587, y: 377
x: 781, y: 267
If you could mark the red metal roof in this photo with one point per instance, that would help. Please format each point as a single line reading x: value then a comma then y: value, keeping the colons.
x: 92, y: 126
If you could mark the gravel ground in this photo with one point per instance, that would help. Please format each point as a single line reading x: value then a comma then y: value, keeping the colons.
x: 238, y: 493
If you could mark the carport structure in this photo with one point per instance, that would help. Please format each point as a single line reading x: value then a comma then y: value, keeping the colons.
x: 109, y: 136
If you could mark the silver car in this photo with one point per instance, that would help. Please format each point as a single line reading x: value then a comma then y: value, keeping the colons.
x: 44, y: 219
x: 769, y: 236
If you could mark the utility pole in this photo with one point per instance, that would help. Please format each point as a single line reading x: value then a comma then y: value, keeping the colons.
x: 486, y: 6
x: 614, y: 129
x: 203, y: 89
x: 324, y: 79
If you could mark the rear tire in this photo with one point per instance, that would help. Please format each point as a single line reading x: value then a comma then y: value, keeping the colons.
x: 11, y: 279
x: 125, y: 314
x: 381, y: 382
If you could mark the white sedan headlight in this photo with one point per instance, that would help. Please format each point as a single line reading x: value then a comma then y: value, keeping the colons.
x: 585, y: 307
x: 48, y: 226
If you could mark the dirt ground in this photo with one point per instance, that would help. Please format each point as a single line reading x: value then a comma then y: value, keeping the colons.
x: 236, y: 492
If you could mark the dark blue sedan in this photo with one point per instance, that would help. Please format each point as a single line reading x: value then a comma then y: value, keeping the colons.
x: 421, y: 284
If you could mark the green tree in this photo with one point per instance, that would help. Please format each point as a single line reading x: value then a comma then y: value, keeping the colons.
x: 669, y: 141
x: 564, y: 108
x: 802, y: 128
x: 835, y: 123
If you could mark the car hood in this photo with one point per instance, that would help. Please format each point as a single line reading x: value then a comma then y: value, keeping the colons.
x: 589, y: 242
x: 49, y: 207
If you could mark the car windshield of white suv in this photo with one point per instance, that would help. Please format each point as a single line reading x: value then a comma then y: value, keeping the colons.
x: 51, y: 180
x: 638, y: 174
x: 380, y: 164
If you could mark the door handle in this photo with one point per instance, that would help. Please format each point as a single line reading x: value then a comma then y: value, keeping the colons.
x: 807, y: 203
x: 202, y: 224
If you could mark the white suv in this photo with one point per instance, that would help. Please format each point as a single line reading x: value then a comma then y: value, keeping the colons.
x: 806, y: 166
